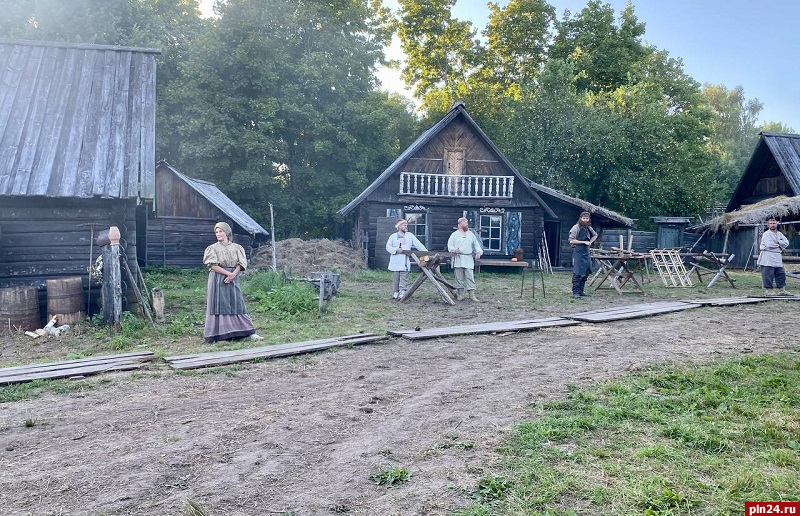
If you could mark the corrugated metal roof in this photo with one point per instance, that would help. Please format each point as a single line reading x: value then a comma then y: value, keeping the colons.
x: 457, y: 109
x: 77, y: 120
x: 215, y: 196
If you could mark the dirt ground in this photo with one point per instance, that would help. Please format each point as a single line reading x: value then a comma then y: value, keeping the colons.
x: 303, y: 435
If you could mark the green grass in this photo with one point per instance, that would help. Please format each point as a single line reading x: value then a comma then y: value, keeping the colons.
x: 696, y: 440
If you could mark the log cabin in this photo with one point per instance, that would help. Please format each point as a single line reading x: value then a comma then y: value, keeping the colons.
x: 181, y: 224
x: 769, y: 187
x: 454, y: 170
x: 77, y: 154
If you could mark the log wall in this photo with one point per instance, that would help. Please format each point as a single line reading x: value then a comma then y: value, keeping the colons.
x: 46, y: 238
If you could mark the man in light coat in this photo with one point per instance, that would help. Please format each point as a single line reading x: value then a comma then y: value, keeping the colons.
x: 773, y: 242
x: 466, y: 248
x: 400, y: 263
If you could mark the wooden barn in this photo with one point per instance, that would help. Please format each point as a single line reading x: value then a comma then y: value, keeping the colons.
x: 77, y: 154
x: 769, y: 187
x: 568, y: 210
x: 181, y: 225
x: 454, y: 170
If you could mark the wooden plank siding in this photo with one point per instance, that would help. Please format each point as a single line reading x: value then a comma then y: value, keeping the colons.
x: 43, y: 239
x: 181, y: 241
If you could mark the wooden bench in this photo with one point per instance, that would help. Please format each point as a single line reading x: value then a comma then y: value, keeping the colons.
x: 499, y: 262
x: 523, y: 265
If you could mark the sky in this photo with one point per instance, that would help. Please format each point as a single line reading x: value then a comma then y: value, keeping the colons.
x: 730, y: 42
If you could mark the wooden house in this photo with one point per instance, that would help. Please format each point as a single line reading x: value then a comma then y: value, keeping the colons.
x: 454, y: 170
x: 181, y: 225
x: 769, y: 187
x: 77, y: 154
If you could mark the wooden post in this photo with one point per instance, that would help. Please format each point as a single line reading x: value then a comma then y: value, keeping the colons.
x: 112, y: 286
x: 158, y: 304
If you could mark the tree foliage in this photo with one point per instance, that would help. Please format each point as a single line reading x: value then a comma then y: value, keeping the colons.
x: 279, y: 104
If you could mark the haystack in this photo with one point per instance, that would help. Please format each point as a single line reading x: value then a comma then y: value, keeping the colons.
x: 298, y: 257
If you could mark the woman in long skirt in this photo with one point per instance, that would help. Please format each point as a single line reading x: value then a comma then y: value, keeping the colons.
x: 226, y: 315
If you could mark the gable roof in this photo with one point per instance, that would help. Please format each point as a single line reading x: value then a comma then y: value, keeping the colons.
x: 457, y: 110
x: 77, y: 120
x: 215, y: 196
x: 785, y: 150
x: 583, y: 205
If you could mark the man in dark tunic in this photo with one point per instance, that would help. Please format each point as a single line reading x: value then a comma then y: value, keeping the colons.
x: 581, y: 238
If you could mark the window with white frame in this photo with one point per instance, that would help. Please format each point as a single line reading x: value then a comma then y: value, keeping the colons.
x: 492, y: 232
x: 418, y: 226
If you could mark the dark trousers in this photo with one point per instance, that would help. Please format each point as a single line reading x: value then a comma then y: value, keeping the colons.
x: 770, y: 274
x: 578, y: 284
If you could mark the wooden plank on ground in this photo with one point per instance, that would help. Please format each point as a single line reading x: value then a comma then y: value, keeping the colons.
x: 70, y: 372
x: 141, y: 356
x: 725, y: 301
x: 474, y: 329
x: 219, y: 358
x: 631, y: 311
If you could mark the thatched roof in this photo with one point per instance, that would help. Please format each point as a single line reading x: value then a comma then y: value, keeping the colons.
x: 751, y: 214
x: 584, y: 205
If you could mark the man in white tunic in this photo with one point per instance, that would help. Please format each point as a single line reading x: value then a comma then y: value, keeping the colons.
x: 773, y: 242
x: 466, y: 248
x: 400, y: 263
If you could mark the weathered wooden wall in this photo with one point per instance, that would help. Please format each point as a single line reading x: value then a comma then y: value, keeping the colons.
x: 45, y: 239
x: 175, y: 198
x: 181, y: 241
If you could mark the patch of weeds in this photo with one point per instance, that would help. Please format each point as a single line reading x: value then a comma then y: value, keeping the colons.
x: 30, y: 422
x: 75, y: 356
x: 191, y: 508
x: 22, y: 391
x: 390, y: 476
x: 490, y: 488
x: 340, y: 508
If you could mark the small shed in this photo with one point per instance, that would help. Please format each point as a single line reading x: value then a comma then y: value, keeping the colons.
x: 769, y: 187
x: 568, y: 210
x: 669, y: 231
x: 180, y: 226
x: 451, y: 170
x: 77, y: 154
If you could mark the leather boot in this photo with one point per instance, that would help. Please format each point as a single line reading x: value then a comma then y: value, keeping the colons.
x: 472, y: 297
x: 460, y: 294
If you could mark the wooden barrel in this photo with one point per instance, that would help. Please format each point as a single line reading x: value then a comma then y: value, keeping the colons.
x: 19, y: 309
x: 65, y: 300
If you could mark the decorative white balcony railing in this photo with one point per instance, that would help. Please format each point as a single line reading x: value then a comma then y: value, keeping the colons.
x: 439, y: 185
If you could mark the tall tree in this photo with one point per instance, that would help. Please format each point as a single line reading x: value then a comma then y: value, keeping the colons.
x: 603, y: 52
x: 733, y: 136
x: 279, y: 106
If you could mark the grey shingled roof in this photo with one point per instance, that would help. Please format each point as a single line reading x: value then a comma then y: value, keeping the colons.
x: 77, y: 120
x: 424, y: 138
x: 215, y: 196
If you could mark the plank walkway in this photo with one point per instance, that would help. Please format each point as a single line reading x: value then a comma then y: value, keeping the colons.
x: 474, y: 329
x: 219, y: 358
x: 619, y: 313
x: 70, y: 368
x: 726, y: 301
